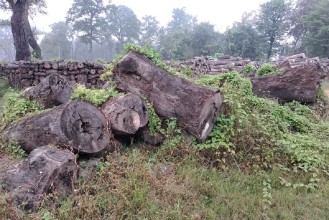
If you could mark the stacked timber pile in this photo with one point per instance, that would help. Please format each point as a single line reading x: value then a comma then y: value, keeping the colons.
x: 27, y: 73
x: 227, y: 64
x: 54, y: 137
x: 203, y: 65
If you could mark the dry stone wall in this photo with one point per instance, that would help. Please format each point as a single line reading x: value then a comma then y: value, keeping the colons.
x: 28, y: 73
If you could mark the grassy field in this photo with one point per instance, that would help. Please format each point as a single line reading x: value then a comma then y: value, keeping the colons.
x: 132, y: 185
x: 262, y: 161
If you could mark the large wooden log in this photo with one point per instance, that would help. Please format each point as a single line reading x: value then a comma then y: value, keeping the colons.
x: 77, y: 124
x: 51, y: 91
x: 46, y: 170
x: 300, y: 83
x: 126, y: 114
x: 195, y: 107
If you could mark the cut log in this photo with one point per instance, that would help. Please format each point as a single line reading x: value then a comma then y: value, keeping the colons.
x: 77, y: 124
x: 51, y: 91
x: 126, y: 114
x: 300, y: 83
x: 195, y: 107
x: 46, y: 170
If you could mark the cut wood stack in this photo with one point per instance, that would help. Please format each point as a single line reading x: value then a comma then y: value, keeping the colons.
x: 227, y: 64
x: 203, y: 65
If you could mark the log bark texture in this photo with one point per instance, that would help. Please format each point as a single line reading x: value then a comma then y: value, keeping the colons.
x: 45, y: 170
x: 52, y: 91
x: 195, y: 107
x: 300, y: 83
x: 77, y: 124
x: 126, y: 114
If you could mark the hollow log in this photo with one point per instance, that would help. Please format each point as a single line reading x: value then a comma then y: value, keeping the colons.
x: 300, y: 83
x: 51, y: 91
x: 77, y: 124
x: 195, y: 107
x: 46, y: 170
x: 126, y: 114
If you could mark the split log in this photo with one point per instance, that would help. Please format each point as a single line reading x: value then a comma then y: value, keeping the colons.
x: 300, y: 83
x: 51, y: 91
x: 126, y: 114
x: 45, y: 170
x: 77, y: 124
x: 195, y: 107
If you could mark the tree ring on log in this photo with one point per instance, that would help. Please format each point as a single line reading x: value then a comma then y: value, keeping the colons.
x: 84, y: 127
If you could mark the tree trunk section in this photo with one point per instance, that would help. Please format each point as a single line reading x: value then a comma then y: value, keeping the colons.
x: 46, y: 170
x: 52, y: 91
x: 300, y: 83
x: 77, y: 124
x: 195, y: 107
x: 32, y: 41
x: 126, y: 114
x: 18, y: 27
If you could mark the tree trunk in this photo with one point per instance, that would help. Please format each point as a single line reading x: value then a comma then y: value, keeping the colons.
x: 22, y: 32
x: 77, y: 124
x: 195, y: 107
x: 300, y: 83
x: 52, y: 91
x: 32, y: 41
x: 126, y: 114
x: 18, y: 27
x: 46, y: 170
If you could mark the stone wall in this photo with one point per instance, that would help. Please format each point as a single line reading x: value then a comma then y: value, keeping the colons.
x: 27, y: 73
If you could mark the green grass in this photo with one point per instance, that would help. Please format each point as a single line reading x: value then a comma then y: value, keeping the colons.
x: 128, y: 186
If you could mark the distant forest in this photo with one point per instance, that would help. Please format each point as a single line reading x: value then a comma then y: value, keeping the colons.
x: 95, y: 31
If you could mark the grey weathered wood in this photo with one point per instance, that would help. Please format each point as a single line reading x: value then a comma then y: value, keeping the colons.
x: 300, y: 83
x: 51, y: 91
x: 195, y: 107
x: 126, y: 114
x: 77, y: 124
x: 46, y: 170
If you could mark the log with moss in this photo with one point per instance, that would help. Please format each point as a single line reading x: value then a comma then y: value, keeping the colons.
x: 195, y: 107
x: 78, y: 125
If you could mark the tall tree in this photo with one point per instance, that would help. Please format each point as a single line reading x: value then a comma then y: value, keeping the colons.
x: 205, y: 40
x: 273, y: 23
x: 149, y: 30
x: 181, y: 20
x: 124, y: 25
x: 175, y: 39
x: 317, y: 25
x: 243, y: 39
x: 21, y: 28
x: 87, y: 18
x: 56, y: 43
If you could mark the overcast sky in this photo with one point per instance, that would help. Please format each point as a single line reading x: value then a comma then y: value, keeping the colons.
x: 221, y: 13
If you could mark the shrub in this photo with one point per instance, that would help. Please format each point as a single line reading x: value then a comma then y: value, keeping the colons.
x: 94, y: 96
x: 259, y: 133
x: 247, y: 69
x: 267, y: 69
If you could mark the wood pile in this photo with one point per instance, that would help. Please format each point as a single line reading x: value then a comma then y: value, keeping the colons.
x: 203, y: 65
x: 27, y: 73
x: 54, y: 136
